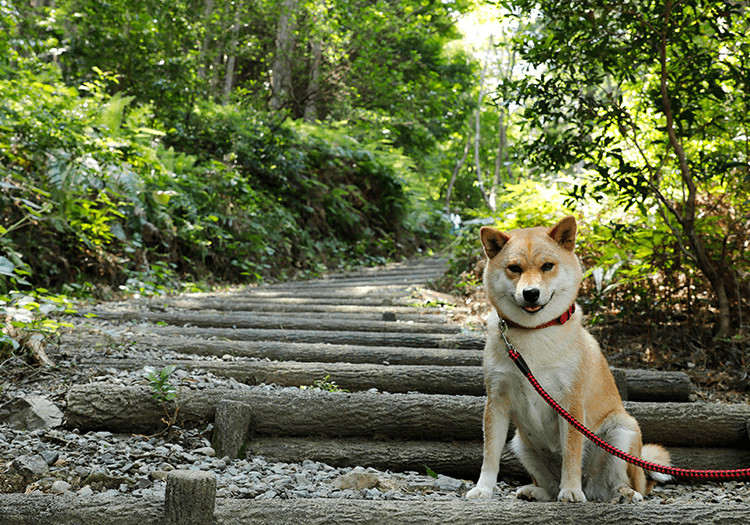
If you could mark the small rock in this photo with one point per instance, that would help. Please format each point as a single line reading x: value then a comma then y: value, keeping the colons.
x: 31, y: 413
x: 85, y: 491
x: 31, y: 467
x: 357, y: 481
x: 50, y: 456
x: 60, y: 487
x: 449, y: 484
x: 205, y: 451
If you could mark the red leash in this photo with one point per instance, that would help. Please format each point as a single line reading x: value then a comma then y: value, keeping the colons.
x: 713, y: 475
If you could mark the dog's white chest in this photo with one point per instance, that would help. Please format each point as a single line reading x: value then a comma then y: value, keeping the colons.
x: 535, y: 418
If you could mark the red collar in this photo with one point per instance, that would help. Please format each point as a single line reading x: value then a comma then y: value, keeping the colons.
x: 564, y: 318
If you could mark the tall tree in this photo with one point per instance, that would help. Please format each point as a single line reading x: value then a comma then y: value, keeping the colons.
x: 281, y: 71
x: 652, y: 98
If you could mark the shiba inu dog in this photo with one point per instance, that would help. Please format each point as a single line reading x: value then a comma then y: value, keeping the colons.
x: 532, y: 277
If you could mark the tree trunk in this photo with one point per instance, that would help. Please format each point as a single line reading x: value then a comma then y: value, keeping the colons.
x: 478, y: 134
x: 281, y: 71
x: 456, y: 170
x: 687, y: 217
x: 313, y: 86
x: 232, y: 52
x: 207, y: 13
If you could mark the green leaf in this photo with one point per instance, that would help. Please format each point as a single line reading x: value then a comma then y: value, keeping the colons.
x: 6, y: 267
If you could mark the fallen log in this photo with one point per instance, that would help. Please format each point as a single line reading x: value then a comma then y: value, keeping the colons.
x: 658, y: 385
x: 278, y: 351
x: 293, y: 412
x: 414, y: 340
x: 427, y: 379
x: 32, y: 509
x: 272, y: 322
x: 460, y: 459
x: 230, y: 303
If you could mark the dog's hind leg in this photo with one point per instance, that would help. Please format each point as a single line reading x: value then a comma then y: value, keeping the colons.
x: 609, y: 477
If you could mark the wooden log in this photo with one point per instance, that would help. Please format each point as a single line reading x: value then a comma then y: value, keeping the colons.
x: 32, y: 509
x: 231, y: 303
x: 460, y: 459
x: 282, y: 351
x: 36, y: 509
x: 403, y: 301
x: 287, y: 412
x: 330, y: 292
x: 377, y: 314
x: 190, y: 497
x: 452, y: 375
x: 404, y: 416
x: 414, y: 340
x: 273, y: 322
x: 231, y: 426
x: 394, y: 279
x: 657, y: 385
x: 508, y: 512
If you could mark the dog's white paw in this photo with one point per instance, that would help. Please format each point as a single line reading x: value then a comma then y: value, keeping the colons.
x: 479, y: 492
x: 572, y: 495
x: 627, y: 495
x: 533, y: 493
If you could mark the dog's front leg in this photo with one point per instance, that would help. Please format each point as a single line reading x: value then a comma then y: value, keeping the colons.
x: 495, y: 425
x: 572, y: 441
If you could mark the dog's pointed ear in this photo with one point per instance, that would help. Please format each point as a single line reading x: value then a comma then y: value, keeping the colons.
x: 493, y: 240
x: 564, y: 233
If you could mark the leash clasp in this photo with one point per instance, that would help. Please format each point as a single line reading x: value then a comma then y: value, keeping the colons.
x: 503, y: 326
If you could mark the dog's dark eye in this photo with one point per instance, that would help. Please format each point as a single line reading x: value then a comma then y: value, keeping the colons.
x: 515, y: 268
x: 547, y: 267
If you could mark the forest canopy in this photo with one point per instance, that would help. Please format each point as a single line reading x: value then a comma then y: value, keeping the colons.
x: 144, y: 144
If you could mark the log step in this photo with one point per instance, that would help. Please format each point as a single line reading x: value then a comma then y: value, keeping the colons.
x: 26, y: 509
x: 245, y: 320
x: 232, y: 304
x: 395, y: 416
x: 640, y: 385
x: 459, y: 459
x: 468, y: 341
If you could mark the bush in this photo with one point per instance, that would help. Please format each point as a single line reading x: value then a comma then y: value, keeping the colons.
x: 104, y: 193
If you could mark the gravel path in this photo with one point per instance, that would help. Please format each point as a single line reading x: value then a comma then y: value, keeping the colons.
x: 63, y: 461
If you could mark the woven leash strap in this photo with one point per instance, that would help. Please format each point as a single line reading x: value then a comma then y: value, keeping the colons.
x: 709, y: 475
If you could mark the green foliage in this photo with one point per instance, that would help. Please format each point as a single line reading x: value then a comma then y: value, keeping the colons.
x: 116, y: 199
x: 648, y: 103
x: 325, y: 384
x: 159, y: 381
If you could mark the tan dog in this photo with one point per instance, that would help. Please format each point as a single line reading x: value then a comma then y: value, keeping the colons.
x: 532, y: 278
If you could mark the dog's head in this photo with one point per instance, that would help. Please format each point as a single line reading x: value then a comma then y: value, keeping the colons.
x: 532, y: 275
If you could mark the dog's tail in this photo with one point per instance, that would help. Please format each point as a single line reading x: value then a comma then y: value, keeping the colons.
x: 655, y: 454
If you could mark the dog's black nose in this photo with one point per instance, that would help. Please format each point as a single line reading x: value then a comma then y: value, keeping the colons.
x: 530, y: 295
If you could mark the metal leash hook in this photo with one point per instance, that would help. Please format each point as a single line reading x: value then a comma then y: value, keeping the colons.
x: 715, y: 475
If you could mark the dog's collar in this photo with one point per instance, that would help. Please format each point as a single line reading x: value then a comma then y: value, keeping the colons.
x: 564, y: 318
